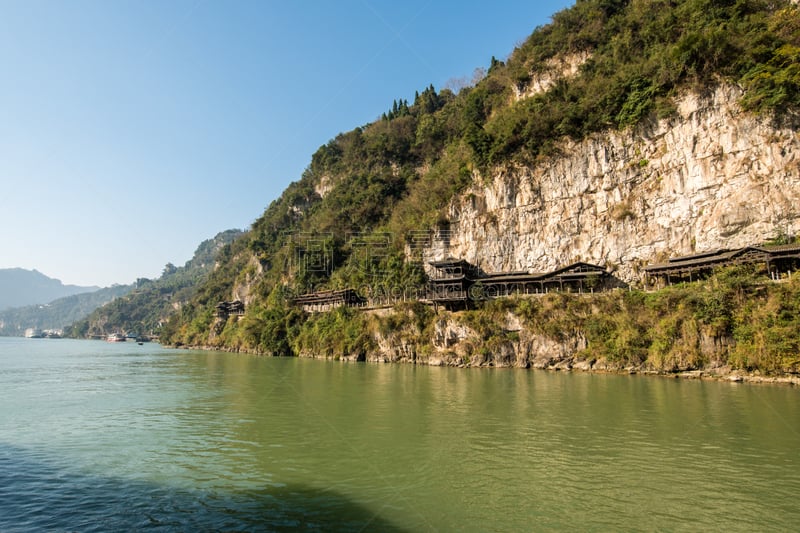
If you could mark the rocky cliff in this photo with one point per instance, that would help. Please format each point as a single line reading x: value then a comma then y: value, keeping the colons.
x: 453, y: 343
x: 620, y: 134
x: 711, y: 176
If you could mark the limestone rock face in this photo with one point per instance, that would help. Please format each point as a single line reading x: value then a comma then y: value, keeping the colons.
x: 448, y: 334
x: 711, y: 177
x: 244, y: 288
x: 556, y: 68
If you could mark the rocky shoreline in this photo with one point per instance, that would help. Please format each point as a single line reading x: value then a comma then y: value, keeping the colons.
x: 721, y: 373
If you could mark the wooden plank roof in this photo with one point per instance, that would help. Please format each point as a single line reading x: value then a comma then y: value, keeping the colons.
x: 698, y: 256
x: 332, y: 296
x: 721, y: 257
x: 449, y: 262
x: 578, y: 270
x: 782, y: 250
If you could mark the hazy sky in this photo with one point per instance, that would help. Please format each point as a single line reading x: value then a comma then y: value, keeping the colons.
x: 130, y: 131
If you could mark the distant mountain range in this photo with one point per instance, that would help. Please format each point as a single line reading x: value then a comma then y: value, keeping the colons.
x: 59, y: 314
x: 29, y: 299
x: 20, y: 287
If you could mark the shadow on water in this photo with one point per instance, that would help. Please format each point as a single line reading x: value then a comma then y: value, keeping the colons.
x: 37, y: 494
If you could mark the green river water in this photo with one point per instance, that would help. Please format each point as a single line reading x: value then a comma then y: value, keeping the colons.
x: 97, y: 436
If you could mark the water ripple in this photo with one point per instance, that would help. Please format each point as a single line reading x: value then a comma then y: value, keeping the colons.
x: 100, y: 438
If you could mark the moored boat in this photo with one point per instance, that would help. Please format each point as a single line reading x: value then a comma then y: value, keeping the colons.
x: 116, y: 337
x: 33, y: 333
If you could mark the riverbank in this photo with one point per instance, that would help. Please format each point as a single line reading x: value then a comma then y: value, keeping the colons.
x: 566, y: 365
x: 734, y: 326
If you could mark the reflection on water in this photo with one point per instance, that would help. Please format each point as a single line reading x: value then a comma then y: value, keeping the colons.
x: 242, y: 442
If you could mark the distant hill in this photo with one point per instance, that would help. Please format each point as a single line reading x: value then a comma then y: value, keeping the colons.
x: 58, y: 314
x: 152, y: 302
x: 20, y: 287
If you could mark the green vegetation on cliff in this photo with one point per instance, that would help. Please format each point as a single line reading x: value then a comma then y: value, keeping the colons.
x: 736, y: 318
x: 349, y: 221
x: 150, y: 303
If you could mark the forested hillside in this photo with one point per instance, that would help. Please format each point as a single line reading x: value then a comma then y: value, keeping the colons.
x: 600, y: 66
x: 144, y: 308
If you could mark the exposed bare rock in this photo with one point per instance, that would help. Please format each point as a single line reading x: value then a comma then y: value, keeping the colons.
x: 244, y: 288
x: 711, y: 177
x: 555, y: 69
x: 325, y: 185
x: 448, y: 333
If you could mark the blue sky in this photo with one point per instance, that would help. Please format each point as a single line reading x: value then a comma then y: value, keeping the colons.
x: 130, y: 131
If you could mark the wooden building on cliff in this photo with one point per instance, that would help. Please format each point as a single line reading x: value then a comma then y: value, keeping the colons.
x: 316, y: 302
x: 774, y: 260
x: 450, y: 281
x: 455, y: 283
x: 577, y: 277
x: 226, y: 309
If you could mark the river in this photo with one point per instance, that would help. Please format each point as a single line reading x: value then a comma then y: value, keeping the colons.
x: 99, y: 436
